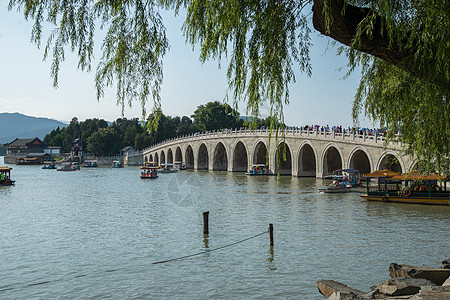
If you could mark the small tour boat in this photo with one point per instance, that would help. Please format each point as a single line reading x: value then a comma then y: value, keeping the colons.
x: 149, y: 172
x: 413, y: 187
x: 344, y: 180
x: 167, y: 168
x: 179, y: 165
x: 117, y: 164
x: 5, y: 176
x: 90, y: 164
x: 69, y: 167
x: 256, y: 170
x: 49, y: 165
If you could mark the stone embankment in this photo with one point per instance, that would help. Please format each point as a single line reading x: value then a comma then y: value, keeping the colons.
x: 407, y: 282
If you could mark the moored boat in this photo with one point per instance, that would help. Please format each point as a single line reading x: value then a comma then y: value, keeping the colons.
x: 71, y: 166
x: 413, y: 188
x: 90, y: 164
x: 117, y: 164
x: 257, y: 170
x: 5, y: 176
x: 344, y: 181
x: 179, y: 165
x: 167, y: 168
x: 50, y: 165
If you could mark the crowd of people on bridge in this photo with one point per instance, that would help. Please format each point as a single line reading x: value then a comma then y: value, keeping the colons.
x: 323, y: 129
x: 349, y: 130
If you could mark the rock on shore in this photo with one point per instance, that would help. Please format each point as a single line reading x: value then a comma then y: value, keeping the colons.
x: 407, y: 282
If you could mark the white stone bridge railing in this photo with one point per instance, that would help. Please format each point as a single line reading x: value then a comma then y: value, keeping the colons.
x: 364, y: 138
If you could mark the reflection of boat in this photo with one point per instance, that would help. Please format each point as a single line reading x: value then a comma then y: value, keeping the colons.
x: 344, y: 180
x: 5, y: 176
x: 90, y: 164
x: 167, y: 168
x: 179, y: 165
x: 255, y: 170
x: 69, y: 167
x: 413, y: 187
x: 117, y: 164
x: 49, y: 165
x: 149, y: 172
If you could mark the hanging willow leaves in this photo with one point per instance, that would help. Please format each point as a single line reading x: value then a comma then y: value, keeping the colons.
x: 402, y: 48
x: 132, y: 50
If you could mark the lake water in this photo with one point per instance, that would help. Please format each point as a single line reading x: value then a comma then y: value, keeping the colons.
x: 95, y: 234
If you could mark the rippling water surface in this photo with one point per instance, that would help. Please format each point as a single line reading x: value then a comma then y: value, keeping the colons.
x: 95, y: 233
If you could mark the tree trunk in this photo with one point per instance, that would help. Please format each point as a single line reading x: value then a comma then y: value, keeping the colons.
x: 344, y: 26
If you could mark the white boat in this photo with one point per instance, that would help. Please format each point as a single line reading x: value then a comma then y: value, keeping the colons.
x: 344, y: 180
x: 167, y: 168
x: 179, y: 165
x: 69, y: 166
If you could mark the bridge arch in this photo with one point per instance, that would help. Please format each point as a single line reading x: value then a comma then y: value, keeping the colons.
x: 260, y: 153
x: 189, y: 157
x: 390, y: 161
x: 361, y: 160
x: 146, y: 158
x: 178, y: 154
x: 331, y: 159
x: 163, y: 157
x: 307, y: 160
x: 202, y: 157
x: 282, y: 165
x: 156, y: 158
x: 240, y: 157
x: 355, y: 151
x: 220, y: 157
x: 150, y: 158
x: 169, y: 156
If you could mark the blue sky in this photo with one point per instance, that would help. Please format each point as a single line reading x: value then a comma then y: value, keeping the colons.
x: 26, y: 85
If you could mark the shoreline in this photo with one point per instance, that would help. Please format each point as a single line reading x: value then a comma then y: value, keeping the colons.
x: 406, y: 282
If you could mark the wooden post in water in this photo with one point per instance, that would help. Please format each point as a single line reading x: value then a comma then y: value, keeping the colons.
x: 271, y: 234
x: 205, y: 222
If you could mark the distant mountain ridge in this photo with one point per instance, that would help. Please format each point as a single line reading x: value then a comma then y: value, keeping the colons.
x: 16, y: 125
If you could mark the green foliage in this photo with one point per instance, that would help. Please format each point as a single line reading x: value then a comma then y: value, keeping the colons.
x: 419, y: 30
x: 105, y: 141
x: 186, y: 126
x: 413, y: 102
x: 65, y: 136
x: 418, y: 110
x: 95, y: 133
x: 90, y: 126
x: 262, y: 41
x: 215, y: 116
x: 167, y: 127
x: 133, y: 47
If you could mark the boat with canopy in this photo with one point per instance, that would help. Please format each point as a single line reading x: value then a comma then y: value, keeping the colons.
x: 412, y: 187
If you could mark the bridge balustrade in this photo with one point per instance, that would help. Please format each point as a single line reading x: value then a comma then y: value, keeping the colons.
x: 332, y: 134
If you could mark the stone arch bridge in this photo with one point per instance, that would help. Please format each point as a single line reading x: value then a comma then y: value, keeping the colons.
x: 303, y: 153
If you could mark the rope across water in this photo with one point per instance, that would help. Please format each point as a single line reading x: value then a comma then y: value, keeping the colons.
x: 208, y: 251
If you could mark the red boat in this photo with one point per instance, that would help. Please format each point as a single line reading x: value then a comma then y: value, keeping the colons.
x: 149, y: 172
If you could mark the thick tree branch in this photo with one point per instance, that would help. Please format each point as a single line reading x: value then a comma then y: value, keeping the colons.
x: 343, y: 29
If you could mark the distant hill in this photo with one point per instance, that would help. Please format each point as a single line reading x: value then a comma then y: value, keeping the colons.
x: 16, y: 125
